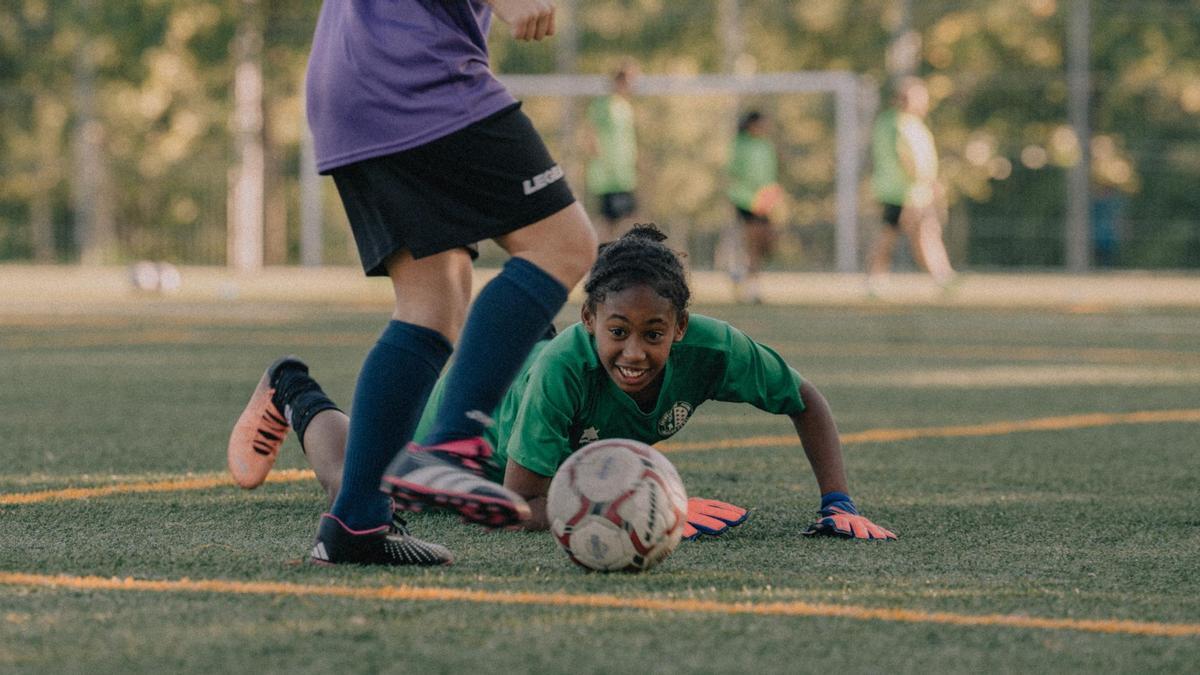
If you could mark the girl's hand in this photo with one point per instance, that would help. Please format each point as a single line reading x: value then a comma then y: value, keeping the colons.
x: 837, y: 522
x: 711, y: 517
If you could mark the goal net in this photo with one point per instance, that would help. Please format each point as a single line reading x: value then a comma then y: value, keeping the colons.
x: 685, y: 127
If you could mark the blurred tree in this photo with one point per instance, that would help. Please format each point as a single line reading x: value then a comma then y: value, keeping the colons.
x: 162, y: 83
x: 35, y: 107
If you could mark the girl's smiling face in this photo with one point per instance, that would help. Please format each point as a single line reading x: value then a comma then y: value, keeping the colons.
x: 634, y: 330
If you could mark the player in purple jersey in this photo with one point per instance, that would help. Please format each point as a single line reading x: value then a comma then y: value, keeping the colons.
x: 430, y: 154
x: 637, y: 366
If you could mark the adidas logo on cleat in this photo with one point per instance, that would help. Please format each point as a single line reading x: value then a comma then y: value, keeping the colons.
x: 318, y: 552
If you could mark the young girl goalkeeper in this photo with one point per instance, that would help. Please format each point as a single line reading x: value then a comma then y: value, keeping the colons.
x: 636, y: 366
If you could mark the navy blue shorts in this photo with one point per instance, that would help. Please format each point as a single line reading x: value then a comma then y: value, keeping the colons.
x: 891, y: 215
x: 486, y: 180
x: 750, y: 218
x: 617, y: 205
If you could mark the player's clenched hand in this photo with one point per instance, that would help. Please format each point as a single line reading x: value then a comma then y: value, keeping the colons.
x: 711, y: 517
x: 838, y: 522
x: 528, y: 19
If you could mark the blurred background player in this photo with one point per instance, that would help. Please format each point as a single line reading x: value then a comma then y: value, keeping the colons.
x: 637, y: 366
x: 611, y: 142
x: 905, y: 181
x: 754, y: 190
x: 430, y: 154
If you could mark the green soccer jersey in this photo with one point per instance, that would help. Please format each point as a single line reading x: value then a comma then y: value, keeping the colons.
x: 889, y: 180
x: 564, y: 399
x: 614, y: 169
x: 752, y: 166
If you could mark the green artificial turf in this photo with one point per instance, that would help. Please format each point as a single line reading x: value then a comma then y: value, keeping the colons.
x: 1100, y: 522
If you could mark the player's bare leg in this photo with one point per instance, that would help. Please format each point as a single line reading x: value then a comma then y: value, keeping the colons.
x: 433, y: 292
x: 760, y: 245
x: 879, y: 259
x: 924, y: 231
x: 933, y: 248
x: 325, y: 448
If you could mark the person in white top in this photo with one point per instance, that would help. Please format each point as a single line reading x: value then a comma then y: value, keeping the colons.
x: 906, y: 183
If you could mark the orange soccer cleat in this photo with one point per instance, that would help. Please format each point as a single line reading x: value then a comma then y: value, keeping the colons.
x: 259, y: 431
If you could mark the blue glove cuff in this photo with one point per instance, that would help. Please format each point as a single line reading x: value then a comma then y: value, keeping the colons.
x: 838, y: 499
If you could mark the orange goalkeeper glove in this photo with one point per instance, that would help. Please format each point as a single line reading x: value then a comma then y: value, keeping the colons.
x: 711, y: 517
x: 839, y: 518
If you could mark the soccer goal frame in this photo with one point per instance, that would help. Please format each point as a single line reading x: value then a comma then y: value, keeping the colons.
x: 842, y: 85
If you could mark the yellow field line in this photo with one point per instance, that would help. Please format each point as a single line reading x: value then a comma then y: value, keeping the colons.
x: 207, y: 481
x: 202, y: 482
x: 599, y: 601
x: 167, y: 336
x: 985, y: 429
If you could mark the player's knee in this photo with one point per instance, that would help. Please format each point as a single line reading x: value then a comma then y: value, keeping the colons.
x: 569, y: 253
x: 568, y: 260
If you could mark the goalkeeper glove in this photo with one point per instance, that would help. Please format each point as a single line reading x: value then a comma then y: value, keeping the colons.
x: 711, y: 517
x: 839, y: 518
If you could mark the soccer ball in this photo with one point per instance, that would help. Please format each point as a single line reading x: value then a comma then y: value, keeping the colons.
x: 617, y: 504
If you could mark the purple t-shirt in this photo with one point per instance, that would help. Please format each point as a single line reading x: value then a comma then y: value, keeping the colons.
x: 389, y: 75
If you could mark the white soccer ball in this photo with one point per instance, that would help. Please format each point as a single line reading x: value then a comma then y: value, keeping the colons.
x: 144, y: 276
x: 617, y: 504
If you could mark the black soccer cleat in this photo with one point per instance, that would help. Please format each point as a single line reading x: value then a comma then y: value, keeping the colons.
x: 449, y: 476
x: 337, y: 544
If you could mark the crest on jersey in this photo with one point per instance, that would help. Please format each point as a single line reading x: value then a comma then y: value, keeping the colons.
x: 589, y: 434
x: 674, y: 419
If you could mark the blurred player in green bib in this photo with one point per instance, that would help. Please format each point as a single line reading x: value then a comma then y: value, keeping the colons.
x: 755, y: 192
x: 638, y: 365
x: 905, y: 181
x: 611, y: 143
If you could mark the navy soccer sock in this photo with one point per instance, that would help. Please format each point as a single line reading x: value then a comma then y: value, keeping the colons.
x: 510, y: 315
x: 299, y: 397
x: 393, y: 386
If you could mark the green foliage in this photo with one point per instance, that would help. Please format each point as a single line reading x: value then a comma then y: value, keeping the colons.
x: 996, y: 69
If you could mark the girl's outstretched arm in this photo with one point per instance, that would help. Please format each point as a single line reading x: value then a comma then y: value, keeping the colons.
x: 819, y: 436
x: 838, y: 516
